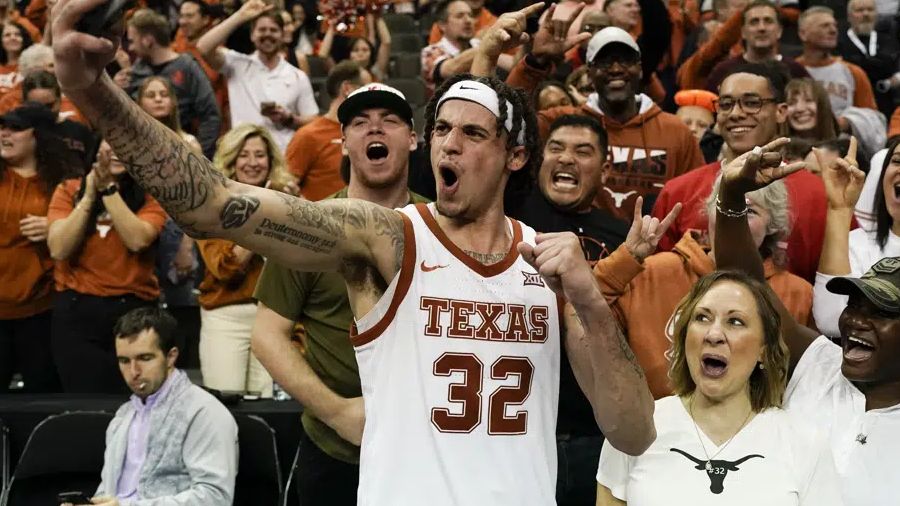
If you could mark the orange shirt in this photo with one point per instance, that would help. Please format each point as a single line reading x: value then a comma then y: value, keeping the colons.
x: 9, y: 79
x: 104, y: 266
x: 26, y: 269
x: 226, y: 281
x: 314, y: 156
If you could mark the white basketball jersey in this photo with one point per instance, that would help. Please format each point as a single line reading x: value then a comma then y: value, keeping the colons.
x: 459, y: 365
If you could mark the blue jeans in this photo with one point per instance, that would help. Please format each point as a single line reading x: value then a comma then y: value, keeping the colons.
x: 576, y: 478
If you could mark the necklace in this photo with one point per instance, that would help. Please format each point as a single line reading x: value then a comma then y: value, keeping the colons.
x: 708, y: 465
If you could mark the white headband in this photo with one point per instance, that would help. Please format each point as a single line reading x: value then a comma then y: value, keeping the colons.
x: 485, y: 96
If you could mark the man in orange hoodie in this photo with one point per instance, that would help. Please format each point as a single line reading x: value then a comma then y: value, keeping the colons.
x: 647, y: 146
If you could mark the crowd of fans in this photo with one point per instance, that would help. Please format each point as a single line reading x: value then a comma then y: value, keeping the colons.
x: 640, y: 105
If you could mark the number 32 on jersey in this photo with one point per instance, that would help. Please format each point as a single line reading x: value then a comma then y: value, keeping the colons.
x: 467, y: 394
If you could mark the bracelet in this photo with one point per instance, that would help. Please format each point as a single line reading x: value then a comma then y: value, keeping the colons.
x: 728, y: 212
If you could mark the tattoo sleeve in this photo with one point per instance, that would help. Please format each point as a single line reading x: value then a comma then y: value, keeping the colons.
x: 312, y: 236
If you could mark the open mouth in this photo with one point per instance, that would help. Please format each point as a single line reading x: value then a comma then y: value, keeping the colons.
x: 448, y: 177
x: 739, y: 129
x: 713, y: 366
x: 376, y: 151
x: 564, y: 181
x: 616, y: 84
x: 897, y: 191
x: 857, y: 349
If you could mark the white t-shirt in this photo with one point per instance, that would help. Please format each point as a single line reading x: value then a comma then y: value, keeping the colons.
x: 775, y: 460
x: 865, y: 444
x: 251, y: 82
x: 864, y: 253
x: 865, y: 206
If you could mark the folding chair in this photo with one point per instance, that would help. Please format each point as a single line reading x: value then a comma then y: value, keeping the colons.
x: 259, y: 474
x: 64, y: 452
x: 290, y: 481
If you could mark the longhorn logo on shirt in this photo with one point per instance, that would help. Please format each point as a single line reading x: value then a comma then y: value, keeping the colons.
x: 717, y: 470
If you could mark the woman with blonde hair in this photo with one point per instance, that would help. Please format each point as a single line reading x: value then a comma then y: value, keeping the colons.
x: 643, y: 289
x: 249, y: 155
x: 723, y: 437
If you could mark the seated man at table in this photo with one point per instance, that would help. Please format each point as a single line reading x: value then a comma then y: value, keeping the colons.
x: 172, y: 442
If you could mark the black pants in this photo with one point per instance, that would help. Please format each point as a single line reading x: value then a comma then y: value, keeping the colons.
x: 83, y: 341
x: 576, y: 478
x: 323, y: 480
x: 25, y: 348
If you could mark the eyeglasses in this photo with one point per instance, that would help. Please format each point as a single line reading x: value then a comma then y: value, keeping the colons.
x: 750, y: 104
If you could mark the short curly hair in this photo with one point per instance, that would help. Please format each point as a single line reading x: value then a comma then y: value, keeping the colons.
x: 521, y: 181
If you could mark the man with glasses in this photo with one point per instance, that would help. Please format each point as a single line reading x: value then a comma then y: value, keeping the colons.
x: 647, y: 146
x: 750, y: 109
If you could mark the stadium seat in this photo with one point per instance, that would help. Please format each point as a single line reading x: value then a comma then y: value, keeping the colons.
x: 259, y: 475
x: 400, y: 23
x: 317, y: 66
x: 413, y: 88
x: 406, y: 65
x: 406, y: 43
x: 63, y: 453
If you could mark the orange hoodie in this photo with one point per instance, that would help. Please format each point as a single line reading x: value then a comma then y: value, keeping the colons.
x: 644, y: 296
x: 26, y: 269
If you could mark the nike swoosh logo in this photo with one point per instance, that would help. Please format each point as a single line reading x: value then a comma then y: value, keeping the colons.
x: 467, y: 88
x: 429, y: 268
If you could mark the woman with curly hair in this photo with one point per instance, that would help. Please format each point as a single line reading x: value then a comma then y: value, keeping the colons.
x: 28, y: 176
x: 249, y: 155
x: 13, y: 40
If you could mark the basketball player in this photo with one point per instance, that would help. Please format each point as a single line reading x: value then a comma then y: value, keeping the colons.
x: 456, y: 305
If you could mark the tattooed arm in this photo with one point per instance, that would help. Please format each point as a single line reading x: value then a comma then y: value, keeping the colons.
x: 604, y: 365
x: 296, y: 233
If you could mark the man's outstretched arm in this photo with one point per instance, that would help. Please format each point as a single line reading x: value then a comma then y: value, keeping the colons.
x: 291, y: 231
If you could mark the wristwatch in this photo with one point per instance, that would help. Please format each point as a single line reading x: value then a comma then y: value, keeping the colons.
x: 109, y: 190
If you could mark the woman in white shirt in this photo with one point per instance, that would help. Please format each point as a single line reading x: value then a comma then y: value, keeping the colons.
x: 853, y: 253
x: 723, y: 439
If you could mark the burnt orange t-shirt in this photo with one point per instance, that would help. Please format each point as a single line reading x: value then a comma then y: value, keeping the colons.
x: 26, y: 269
x: 226, y: 281
x: 104, y: 266
x: 314, y: 156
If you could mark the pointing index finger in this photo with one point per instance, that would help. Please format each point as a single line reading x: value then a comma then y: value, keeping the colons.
x: 851, y: 152
x: 776, y: 144
x: 533, y: 9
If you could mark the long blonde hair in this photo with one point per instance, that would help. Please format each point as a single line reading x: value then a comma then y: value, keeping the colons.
x: 230, y: 146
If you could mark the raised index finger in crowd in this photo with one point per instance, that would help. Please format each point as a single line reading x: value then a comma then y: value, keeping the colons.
x: 851, y: 152
x: 534, y: 8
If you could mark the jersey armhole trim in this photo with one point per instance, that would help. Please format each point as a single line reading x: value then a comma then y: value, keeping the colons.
x: 407, y: 268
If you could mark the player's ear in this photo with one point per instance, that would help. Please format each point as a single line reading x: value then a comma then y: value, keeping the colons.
x: 516, y: 158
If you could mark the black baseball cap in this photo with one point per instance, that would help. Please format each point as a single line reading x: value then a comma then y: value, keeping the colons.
x: 881, y: 285
x: 29, y: 115
x: 375, y: 95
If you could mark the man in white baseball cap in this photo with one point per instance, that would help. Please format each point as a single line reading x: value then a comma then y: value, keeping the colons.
x: 647, y: 146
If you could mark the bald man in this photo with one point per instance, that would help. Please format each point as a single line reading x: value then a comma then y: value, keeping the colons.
x: 876, y: 51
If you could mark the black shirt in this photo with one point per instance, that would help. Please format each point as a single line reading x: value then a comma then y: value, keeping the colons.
x: 600, y: 234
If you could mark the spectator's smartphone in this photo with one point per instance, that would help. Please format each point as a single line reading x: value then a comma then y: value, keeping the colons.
x: 73, y: 498
x: 101, y: 19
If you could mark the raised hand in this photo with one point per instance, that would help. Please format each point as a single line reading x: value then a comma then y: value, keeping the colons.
x: 80, y: 58
x: 646, y: 231
x: 756, y: 169
x: 508, y: 31
x: 552, y: 39
x: 253, y: 8
x: 558, y: 258
x: 843, y: 179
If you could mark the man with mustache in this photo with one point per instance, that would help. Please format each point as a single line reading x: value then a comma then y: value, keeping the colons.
x: 263, y: 88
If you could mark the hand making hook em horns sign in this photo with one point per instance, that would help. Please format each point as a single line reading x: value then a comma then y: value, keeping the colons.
x: 753, y: 170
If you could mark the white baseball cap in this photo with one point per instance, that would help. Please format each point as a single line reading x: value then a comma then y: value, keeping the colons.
x: 610, y: 35
x: 372, y: 96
